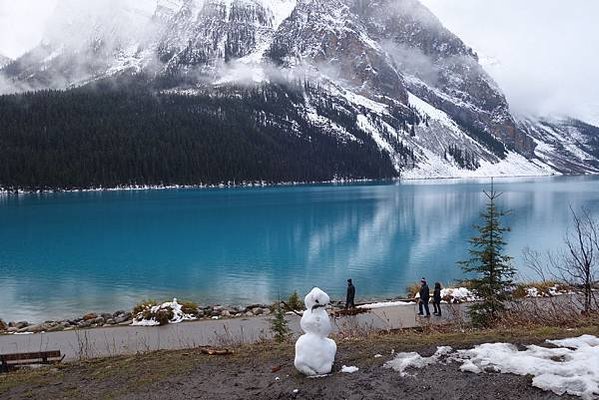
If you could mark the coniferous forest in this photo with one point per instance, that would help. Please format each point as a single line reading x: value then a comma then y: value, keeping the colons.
x: 118, y: 135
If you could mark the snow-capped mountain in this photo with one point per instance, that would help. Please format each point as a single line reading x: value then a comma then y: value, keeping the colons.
x: 387, y: 69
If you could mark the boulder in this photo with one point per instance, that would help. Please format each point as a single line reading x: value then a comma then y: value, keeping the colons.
x: 56, y: 328
x: 37, y: 328
x: 19, y: 325
x: 119, y: 319
x: 83, y: 324
x: 257, y: 311
x: 90, y: 316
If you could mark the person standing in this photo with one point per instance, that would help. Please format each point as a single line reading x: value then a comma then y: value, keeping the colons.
x: 424, y: 298
x: 351, y: 294
x: 437, y: 299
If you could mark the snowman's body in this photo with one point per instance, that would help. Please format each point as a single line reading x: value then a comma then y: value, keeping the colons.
x: 314, y: 351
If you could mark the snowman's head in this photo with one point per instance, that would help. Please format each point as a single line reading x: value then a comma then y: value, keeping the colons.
x: 316, y: 299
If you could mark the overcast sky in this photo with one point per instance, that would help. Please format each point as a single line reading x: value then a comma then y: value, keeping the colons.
x: 545, y: 51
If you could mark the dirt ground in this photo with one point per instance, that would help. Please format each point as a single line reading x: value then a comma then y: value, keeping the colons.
x: 248, y: 373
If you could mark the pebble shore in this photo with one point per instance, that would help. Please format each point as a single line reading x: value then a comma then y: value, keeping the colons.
x: 93, y: 320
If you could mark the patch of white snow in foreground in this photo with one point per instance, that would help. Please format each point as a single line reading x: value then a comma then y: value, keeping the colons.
x: 386, y: 304
x: 403, y: 361
x: 349, y: 370
x: 571, y: 367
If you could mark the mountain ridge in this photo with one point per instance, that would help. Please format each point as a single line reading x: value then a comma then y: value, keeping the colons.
x: 386, y: 69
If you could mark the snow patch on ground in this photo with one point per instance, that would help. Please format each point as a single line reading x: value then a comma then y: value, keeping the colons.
x: 403, y: 361
x: 349, y: 370
x: 513, y: 165
x: 385, y: 304
x: 571, y: 366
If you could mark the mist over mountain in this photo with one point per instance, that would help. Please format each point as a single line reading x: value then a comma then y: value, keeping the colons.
x: 381, y: 84
x: 4, y: 60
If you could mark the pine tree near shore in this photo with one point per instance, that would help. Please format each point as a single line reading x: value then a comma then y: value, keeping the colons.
x: 279, y: 325
x: 491, y: 267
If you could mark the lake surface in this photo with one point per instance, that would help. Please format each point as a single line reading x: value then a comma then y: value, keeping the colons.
x: 62, y: 255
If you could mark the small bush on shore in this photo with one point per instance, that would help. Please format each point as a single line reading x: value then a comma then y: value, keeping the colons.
x: 294, y: 302
x: 143, y: 306
x: 279, y: 325
x: 413, y: 290
x: 162, y: 315
x: 189, y: 307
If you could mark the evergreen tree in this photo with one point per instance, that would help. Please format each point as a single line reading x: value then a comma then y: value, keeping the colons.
x: 492, y: 268
x: 279, y: 325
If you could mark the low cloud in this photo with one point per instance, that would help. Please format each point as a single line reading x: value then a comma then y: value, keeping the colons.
x: 542, y: 53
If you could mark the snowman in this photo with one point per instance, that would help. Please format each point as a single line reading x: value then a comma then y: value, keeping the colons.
x: 314, y: 351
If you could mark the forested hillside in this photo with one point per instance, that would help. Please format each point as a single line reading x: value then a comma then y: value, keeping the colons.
x: 129, y: 135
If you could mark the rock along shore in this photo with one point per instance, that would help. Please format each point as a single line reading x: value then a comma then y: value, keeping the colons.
x: 123, y: 318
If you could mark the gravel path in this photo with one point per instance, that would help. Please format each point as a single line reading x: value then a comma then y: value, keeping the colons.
x: 122, y: 340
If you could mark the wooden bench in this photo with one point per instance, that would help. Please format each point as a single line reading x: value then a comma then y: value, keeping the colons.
x: 11, y: 361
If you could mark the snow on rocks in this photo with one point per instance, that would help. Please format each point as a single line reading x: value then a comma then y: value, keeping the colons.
x: 169, y: 312
x: 571, y: 366
x: 458, y: 295
x: 455, y: 295
x: 403, y: 361
x: 314, y: 351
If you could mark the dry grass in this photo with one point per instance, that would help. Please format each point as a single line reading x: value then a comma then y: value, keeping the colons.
x: 143, y: 305
x: 117, y: 376
x: 413, y: 289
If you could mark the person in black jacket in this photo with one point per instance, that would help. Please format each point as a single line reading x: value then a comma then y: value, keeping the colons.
x: 437, y: 299
x: 424, y: 298
x: 351, y: 294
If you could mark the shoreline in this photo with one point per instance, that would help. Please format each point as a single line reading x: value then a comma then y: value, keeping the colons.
x: 92, y: 320
x: 265, y: 184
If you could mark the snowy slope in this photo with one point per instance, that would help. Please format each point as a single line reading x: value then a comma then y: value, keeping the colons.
x: 382, y: 68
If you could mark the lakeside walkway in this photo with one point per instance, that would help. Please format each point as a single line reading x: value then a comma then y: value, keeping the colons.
x: 125, y: 340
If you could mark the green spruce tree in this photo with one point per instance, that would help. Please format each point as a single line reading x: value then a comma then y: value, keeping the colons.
x: 491, y: 268
x: 279, y: 325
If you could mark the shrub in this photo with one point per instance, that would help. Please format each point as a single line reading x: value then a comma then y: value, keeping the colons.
x: 295, y: 302
x: 143, y: 306
x: 162, y: 315
x: 189, y: 307
x: 413, y: 290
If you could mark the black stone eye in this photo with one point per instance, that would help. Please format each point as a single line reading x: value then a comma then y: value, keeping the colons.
x: 317, y: 301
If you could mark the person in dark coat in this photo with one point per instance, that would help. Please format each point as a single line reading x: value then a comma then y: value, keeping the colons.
x: 425, y: 295
x: 437, y: 299
x: 351, y: 294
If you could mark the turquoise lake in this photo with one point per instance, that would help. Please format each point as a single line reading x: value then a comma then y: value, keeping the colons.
x: 62, y: 255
